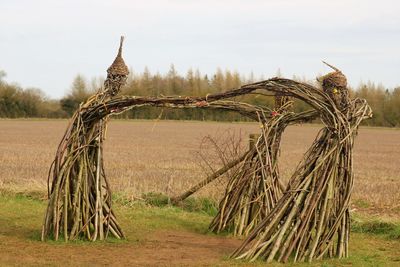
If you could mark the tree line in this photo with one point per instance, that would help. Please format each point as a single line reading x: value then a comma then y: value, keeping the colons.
x: 16, y: 102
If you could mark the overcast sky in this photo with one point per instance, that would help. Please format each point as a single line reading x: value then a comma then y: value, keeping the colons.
x: 45, y: 43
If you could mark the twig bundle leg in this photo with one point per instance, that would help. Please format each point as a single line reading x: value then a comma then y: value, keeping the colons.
x: 254, y: 189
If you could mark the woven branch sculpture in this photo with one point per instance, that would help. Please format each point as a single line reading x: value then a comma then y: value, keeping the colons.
x: 306, y: 220
x: 255, y: 187
x: 80, y: 196
x: 312, y: 218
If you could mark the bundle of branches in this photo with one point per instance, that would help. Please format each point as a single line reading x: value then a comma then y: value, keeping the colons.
x: 312, y: 217
x: 255, y: 188
x: 80, y: 196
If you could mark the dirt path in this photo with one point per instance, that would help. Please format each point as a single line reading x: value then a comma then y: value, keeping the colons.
x: 161, y: 248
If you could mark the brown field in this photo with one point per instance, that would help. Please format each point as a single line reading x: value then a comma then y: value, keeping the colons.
x: 144, y: 156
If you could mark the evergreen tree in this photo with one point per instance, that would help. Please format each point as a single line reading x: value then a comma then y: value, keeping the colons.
x: 78, y: 94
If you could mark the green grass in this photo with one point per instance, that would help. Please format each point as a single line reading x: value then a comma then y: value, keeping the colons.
x: 387, y: 229
x: 373, y: 243
x: 361, y: 203
x: 191, y: 204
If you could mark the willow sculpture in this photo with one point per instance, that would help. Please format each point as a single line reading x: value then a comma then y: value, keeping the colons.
x: 80, y: 196
x: 312, y: 218
x: 254, y: 189
x: 304, y: 221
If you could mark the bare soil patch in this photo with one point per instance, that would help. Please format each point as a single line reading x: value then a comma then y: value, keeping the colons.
x: 160, y: 248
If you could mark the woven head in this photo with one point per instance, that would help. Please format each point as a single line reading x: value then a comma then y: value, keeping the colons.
x: 118, y: 67
x: 335, y: 85
x: 117, y: 73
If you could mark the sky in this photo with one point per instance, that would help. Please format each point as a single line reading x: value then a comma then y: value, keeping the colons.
x: 46, y: 43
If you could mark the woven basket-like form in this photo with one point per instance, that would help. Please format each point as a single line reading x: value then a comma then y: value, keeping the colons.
x: 335, y: 85
x: 118, y: 67
x: 334, y: 79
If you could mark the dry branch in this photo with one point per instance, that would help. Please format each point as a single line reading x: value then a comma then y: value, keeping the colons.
x: 209, y: 179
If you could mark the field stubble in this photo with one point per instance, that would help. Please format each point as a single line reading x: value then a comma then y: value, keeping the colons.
x: 147, y: 156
